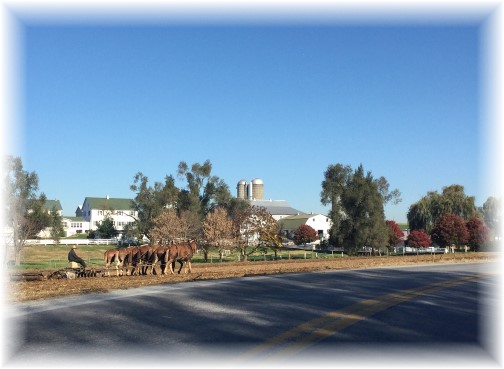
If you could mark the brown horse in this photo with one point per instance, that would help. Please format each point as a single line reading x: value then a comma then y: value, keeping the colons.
x: 109, y: 257
x: 128, y: 258
x: 145, y: 258
x: 182, y: 253
x: 159, y: 254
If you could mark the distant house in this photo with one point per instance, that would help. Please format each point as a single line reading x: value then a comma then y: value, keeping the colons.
x: 318, y: 222
x: 75, y: 225
x: 51, y: 205
x: 95, y: 209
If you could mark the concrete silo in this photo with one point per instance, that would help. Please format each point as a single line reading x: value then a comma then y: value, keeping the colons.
x: 241, y: 189
x: 257, y: 189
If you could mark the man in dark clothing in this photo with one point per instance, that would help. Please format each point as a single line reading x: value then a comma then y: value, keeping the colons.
x: 72, y: 256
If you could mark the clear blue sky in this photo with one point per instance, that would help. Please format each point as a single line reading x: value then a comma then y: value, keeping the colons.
x: 279, y: 102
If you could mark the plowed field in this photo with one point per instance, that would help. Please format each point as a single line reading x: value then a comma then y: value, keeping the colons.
x: 21, y: 291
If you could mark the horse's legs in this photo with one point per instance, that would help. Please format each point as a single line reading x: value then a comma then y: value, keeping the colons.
x: 189, y: 265
x: 181, y: 265
x: 172, y: 266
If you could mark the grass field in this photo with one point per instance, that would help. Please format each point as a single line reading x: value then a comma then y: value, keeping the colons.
x: 55, y: 257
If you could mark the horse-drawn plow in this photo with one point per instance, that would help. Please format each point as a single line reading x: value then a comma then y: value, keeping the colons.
x: 133, y: 260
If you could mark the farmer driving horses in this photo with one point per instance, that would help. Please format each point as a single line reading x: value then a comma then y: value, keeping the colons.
x: 72, y: 256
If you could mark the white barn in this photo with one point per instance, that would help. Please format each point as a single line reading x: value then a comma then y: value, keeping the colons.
x: 320, y: 223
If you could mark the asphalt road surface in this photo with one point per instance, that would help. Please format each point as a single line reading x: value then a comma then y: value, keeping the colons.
x: 437, y: 313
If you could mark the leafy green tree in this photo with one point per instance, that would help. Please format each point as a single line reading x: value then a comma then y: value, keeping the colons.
x: 106, y: 228
x: 425, y: 213
x: 24, y: 211
x: 304, y: 234
x: 56, y: 224
x: 364, y: 222
x: 335, y: 182
x: 150, y: 201
x: 204, y: 191
x: 492, y: 215
x: 357, y: 201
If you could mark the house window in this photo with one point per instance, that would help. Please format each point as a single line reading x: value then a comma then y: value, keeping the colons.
x: 119, y: 212
x: 100, y: 212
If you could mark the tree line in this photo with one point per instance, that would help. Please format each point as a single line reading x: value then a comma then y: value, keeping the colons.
x: 205, y: 209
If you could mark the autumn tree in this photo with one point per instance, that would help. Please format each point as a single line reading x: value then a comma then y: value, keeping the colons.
x: 419, y: 239
x: 25, y: 215
x: 190, y: 225
x: 395, y: 235
x: 304, y: 234
x: 479, y: 233
x: 450, y: 230
x: 255, y: 229
x: 218, y: 230
x: 167, y: 227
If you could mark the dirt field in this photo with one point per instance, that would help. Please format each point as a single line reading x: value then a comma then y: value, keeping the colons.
x: 22, y: 291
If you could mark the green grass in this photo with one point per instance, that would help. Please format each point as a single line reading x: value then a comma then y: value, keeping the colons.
x: 55, y: 257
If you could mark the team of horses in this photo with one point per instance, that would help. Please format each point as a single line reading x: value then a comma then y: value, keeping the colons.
x: 142, y: 260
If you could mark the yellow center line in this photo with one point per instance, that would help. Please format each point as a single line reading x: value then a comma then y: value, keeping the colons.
x: 315, y: 330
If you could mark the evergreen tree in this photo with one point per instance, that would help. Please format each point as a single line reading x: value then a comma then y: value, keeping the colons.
x: 106, y: 228
x: 357, y: 207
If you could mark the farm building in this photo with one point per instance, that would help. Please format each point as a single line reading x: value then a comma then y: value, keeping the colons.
x: 318, y: 222
x: 96, y: 209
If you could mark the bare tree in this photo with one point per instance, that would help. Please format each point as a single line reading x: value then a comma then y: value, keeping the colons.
x: 218, y: 229
x: 255, y: 229
x: 167, y: 227
x: 24, y: 211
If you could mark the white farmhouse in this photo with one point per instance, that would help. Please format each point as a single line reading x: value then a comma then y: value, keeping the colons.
x: 74, y: 225
x: 96, y: 209
x: 318, y: 222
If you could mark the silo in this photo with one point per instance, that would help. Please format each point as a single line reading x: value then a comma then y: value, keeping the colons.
x: 241, y: 189
x: 258, y: 189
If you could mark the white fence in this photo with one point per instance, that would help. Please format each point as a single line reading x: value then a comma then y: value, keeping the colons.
x: 72, y: 242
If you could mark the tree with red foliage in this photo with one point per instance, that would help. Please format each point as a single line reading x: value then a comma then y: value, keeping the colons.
x: 450, y: 230
x: 479, y: 233
x: 395, y: 234
x: 304, y: 234
x: 419, y: 239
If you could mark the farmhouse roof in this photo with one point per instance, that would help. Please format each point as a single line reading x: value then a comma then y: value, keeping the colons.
x: 109, y: 203
x: 52, y: 204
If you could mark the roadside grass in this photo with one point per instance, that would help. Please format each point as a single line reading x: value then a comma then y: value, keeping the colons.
x: 55, y: 257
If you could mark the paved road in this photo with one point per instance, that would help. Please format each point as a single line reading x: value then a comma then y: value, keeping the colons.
x: 420, y: 312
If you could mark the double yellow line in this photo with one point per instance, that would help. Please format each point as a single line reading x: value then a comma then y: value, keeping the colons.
x: 313, y: 331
